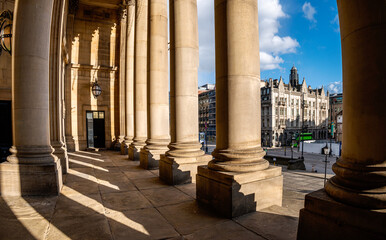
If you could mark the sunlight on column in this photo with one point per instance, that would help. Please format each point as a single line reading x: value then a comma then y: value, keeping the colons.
x: 113, y: 37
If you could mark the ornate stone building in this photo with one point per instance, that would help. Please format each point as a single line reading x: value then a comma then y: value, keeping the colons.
x: 283, y: 107
x: 63, y: 49
x: 207, y: 111
x: 335, y: 115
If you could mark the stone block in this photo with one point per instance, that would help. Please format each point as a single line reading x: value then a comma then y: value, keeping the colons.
x: 324, y: 218
x: 30, y: 179
x: 234, y: 194
x: 134, y: 153
x: 125, y: 148
x: 149, y: 159
x: 175, y: 171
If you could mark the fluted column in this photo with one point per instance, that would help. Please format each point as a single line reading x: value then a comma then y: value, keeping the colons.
x: 158, y: 87
x: 353, y: 203
x: 32, y: 169
x: 122, y: 78
x: 140, y: 80
x: 238, y: 156
x: 130, y: 40
x: 361, y: 171
x: 184, y: 149
x: 56, y: 82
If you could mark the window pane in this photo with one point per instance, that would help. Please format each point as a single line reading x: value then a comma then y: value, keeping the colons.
x: 89, y: 115
x: 101, y: 115
x: 95, y: 114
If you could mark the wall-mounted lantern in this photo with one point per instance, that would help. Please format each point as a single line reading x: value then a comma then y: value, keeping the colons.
x: 6, y: 18
x: 96, y: 89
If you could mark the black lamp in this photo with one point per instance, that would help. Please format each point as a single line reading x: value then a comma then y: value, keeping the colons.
x: 6, y: 19
x: 96, y: 89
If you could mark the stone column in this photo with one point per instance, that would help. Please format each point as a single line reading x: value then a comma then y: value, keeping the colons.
x: 353, y: 203
x: 71, y: 137
x: 129, y: 120
x: 179, y: 164
x: 158, y: 87
x: 239, y: 180
x: 56, y: 82
x: 140, y: 80
x: 122, y: 80
x: 32, y: 169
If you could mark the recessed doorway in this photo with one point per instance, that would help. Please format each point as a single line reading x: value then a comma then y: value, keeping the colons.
x: 95, y: 124
x: 6, y: 129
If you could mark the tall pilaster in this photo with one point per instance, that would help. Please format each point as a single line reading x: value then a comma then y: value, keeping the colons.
x: 56, y: 84
x: 158, y: 87
x: 122, y: 78
x: 356, y: 196
x: 238, y: 180
x: 140, y: 80
x: 129, y: 103
x: 179, y: 164
x: 32, y: 169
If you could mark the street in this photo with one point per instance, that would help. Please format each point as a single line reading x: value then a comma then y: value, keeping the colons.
x: 314, y: 162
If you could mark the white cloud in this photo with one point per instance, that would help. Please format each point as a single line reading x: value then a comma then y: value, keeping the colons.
x: 269, y: 62
x: 335, y: 22
x: 309, y: 12
x: 206, y: 35
x: 271, y: 44
x: 335, y: 87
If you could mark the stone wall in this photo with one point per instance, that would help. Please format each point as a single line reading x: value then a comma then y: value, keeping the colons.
x: 93, y: 44
x: 5, y: 61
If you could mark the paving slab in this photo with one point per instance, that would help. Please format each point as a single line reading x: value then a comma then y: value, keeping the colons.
x: 91, y: 227
x: 121, y: 201
x: 138, y: 174
x: 189, y: 189
x: 149, y: 183
x: 78, y: 205
x: 188, y: 217
x: 276, y: 223
x: 225, y: 230
x: 140, y: 224
x: 165, y: 196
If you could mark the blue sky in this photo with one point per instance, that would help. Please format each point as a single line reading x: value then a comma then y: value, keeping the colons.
x: 292, y: 32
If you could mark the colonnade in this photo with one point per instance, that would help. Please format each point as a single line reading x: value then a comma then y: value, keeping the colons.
x: 237, y: 179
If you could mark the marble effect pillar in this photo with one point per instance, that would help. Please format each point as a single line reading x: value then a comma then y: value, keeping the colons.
x: 179, y: 164
x: 140, y: 80
x: 353, y: 203
x: 32, y: 169
x: 129, y: 100
x: 238, y: 180
x: 158, y: 87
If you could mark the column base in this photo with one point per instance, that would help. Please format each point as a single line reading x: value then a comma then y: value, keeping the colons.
x: 149, y: 159
x: 30, y: 179
x: 324, y: 218
x: 234, y: 194
x: 72, y: 144
x: 61, y: 153
x: 116, y: 145
x: 175, y: 171
x: 125, y: 148
x: 134, y: 152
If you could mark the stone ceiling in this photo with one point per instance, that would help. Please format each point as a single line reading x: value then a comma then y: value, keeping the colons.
x: 113, y: 4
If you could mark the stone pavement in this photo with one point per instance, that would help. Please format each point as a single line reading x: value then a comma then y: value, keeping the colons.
x: 311, y: 160
x: 106, y: 196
